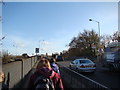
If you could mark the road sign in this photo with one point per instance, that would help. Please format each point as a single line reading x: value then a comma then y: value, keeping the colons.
x: 36, y: 50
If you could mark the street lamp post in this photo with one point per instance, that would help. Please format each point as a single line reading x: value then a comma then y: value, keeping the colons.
x: 15, y: 48
x: 40, y: 46
x: 2, y: 39
x: 98, y: 25
x: 98, y: 33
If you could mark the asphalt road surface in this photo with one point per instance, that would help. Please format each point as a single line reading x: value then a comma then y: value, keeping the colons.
x: 102, y: 75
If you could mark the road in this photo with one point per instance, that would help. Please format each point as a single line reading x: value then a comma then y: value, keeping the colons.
x: 101, y: 75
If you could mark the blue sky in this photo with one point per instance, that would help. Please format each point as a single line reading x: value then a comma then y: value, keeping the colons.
x: 52, y: 25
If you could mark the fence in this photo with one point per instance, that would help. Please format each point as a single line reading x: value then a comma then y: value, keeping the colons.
x: 16, y: 71
x: 73, y: 79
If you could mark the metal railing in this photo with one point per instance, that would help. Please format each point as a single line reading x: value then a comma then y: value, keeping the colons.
x: 76, y: 80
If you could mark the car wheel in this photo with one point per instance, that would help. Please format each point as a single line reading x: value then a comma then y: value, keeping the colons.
x: 76, y: 69
x: 70, y: 66
x: 111, y: 68
x: 93, y: 72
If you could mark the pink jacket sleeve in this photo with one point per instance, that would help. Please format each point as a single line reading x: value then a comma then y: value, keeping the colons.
x: 58, y: 82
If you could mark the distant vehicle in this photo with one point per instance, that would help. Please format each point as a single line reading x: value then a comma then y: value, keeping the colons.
x: 45, y: 57
x: 112, y: 56
x: 60, y: 58
x: 54, y: 56
x: 25, y: 55
x: 11, y: 60
x: 18, y: 59
x: 83, y: 65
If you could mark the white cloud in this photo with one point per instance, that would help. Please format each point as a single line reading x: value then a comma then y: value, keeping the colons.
x: 17, y: 41
x: 46, y: 43
x: 20, y: 44
x: 23, y: 45
x: 16, y: 44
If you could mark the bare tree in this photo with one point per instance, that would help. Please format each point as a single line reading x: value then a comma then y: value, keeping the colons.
x: 106, y: 39
x: 116, y: 36
x: 82, y: 44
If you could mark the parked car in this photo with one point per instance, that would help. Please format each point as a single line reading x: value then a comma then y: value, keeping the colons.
x: 111, y: 56
x: 83, y: 65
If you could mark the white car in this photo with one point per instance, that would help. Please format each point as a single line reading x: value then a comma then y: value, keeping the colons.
x: 83, y: 65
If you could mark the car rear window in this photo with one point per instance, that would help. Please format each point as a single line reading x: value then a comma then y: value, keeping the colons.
x: 85, y: 61
x: 59, y: 57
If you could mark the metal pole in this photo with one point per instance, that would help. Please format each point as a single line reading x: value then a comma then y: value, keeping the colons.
x: 98, y: 26
x: 99, y: 30
x: 16, y: 50
x: 98, y: 33
x: 39, y: 46
x: 43, y: 46
x: 99, y: 42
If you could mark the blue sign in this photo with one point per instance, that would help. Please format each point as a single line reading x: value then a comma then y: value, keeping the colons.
x: 36, y: 50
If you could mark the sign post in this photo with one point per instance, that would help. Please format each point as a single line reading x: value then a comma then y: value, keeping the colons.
x: 36, y: 50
